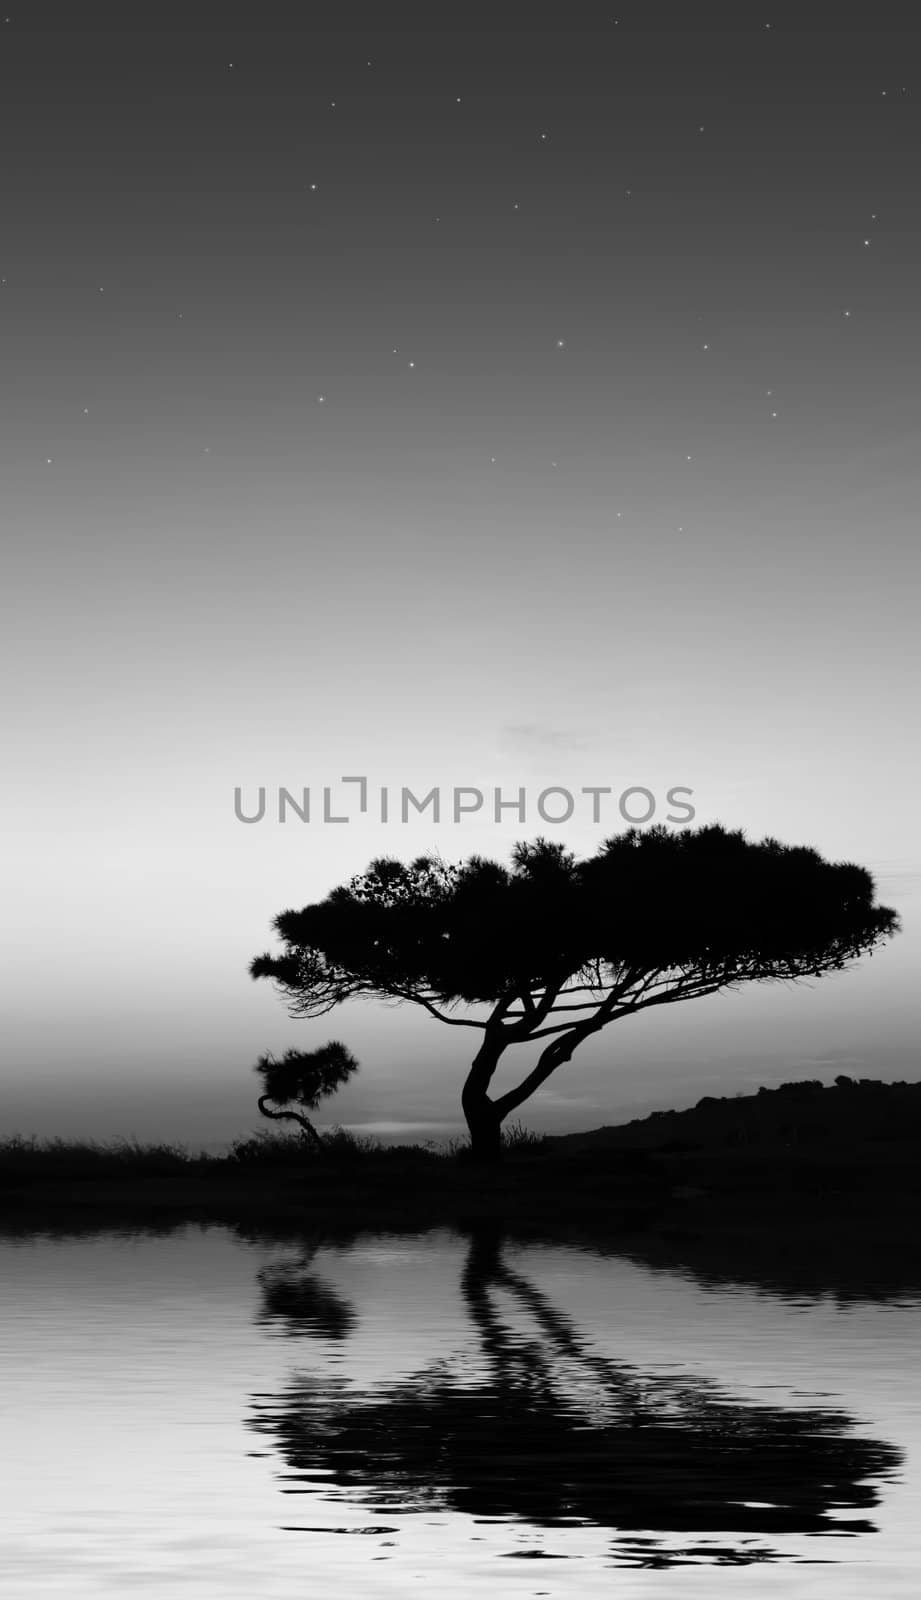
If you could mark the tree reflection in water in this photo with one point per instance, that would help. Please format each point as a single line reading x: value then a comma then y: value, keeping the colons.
x: 545, y: 1432
x: 297, y: 1301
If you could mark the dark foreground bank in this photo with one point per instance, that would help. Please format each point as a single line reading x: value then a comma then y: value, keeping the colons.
x: 813, y: 1168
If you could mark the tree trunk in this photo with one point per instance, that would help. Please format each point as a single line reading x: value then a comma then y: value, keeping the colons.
x: 291, y: 1116
x: 483, y: 1120
x: 485, y: 1132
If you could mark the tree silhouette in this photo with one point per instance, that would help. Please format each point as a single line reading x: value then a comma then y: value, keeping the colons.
x: 304, y: 1078
x: 555, y: 949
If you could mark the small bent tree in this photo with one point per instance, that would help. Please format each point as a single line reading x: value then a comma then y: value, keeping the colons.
x: 553, y: 949
x: 304, y: 1079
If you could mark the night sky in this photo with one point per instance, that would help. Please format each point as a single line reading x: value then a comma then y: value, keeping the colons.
x: 508, y: 395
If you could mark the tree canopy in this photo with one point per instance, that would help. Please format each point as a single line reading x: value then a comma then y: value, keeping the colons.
x: 555, y: 948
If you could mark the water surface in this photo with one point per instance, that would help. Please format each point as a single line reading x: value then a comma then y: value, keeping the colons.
x: 198, y: 1414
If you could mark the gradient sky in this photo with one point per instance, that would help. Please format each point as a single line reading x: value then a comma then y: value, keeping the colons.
x: 483, y: 396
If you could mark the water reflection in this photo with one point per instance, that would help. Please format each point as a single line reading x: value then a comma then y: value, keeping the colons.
x: 540, y: 1429
x: 298, y: 1301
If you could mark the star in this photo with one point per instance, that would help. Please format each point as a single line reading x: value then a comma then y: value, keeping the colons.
x: 544, y: 137
x: 410, y: 364
x: 561, y: 344
x: 689, y: 458
x: 313, y: 187
x: 866, y: 243
x: 846, y: 313
x: 321, y: 399
x: 332, y: 105
x: 773, y: 413
x: 706, y: 347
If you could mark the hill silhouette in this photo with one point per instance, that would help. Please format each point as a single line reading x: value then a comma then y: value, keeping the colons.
x: 851, y: 1112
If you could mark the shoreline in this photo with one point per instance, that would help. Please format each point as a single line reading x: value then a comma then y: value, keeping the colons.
x: 781, y: 1231
x: 750, y: 1191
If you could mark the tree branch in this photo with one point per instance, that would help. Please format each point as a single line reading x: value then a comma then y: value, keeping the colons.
x: 558, y: 1052
x: 583, y: 1005
x: 689, y: 992
x: 538, y: 1075
x: 453, y: 1022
